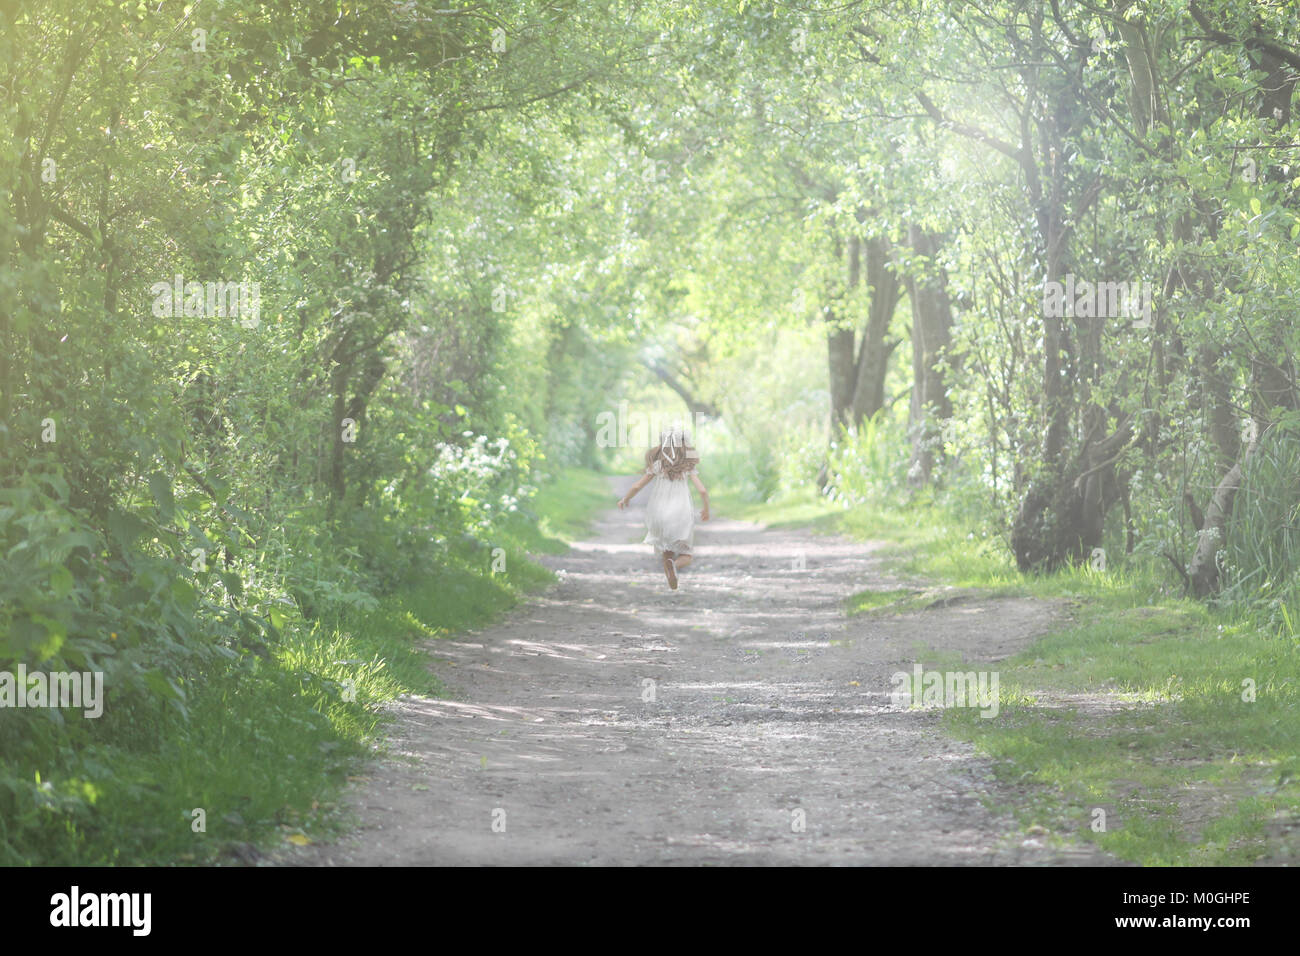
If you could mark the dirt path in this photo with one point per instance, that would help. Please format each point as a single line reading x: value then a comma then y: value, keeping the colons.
x: 767, y: 701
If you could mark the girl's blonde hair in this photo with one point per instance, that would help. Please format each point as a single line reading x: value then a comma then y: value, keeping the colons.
x: 675, y: 453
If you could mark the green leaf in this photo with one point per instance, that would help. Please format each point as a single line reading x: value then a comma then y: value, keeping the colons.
x: 61, y: 582
x: 58, y: 484
x: 125, y: 527
x: 163, y: 686
x: 160, y: 487
x: 183, y: 593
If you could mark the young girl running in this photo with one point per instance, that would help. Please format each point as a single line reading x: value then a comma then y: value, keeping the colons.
x: 669, y: 517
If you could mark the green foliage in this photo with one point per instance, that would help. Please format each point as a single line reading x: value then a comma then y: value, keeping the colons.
x: 457, y: 237
x: 315, y: 452
x: 1262, y: 552
x: 264, y: 741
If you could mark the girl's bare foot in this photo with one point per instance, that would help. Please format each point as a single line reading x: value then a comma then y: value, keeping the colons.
x: 670, y: 570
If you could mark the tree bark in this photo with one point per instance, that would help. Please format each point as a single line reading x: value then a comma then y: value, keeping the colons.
x: 1203, y: 573
x: 873, y: 354
x: 931, y: 335
x: 696, y: 405
x: 839, y: 341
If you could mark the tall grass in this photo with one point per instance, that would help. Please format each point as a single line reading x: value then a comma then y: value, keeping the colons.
x: 1262, y: 550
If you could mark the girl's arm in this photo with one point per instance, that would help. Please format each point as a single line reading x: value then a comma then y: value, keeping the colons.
x: 631, y: 492
x: 704, y: 493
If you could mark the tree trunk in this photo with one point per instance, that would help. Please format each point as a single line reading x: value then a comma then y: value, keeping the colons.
x: 1203, y: 573
x: 857, y: 373
x: 839, y: 344
x: 931, y: 335
x: 873, y: 354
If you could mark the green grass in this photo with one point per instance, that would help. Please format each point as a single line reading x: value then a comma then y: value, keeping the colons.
x: 802, y: 510
x: 270, y: 741
x: 1133, y: 706
x: 565, y: 508
x: 1144, y: 712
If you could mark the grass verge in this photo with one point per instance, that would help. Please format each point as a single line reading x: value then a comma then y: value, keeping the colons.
x: 270, y: 740
x: 1161, y: 729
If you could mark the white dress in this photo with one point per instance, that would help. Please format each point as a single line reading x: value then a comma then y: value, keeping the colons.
x: 669, y: 512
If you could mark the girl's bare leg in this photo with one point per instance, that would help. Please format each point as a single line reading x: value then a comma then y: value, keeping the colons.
x: 682, y: 561
x: 670, y: 570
